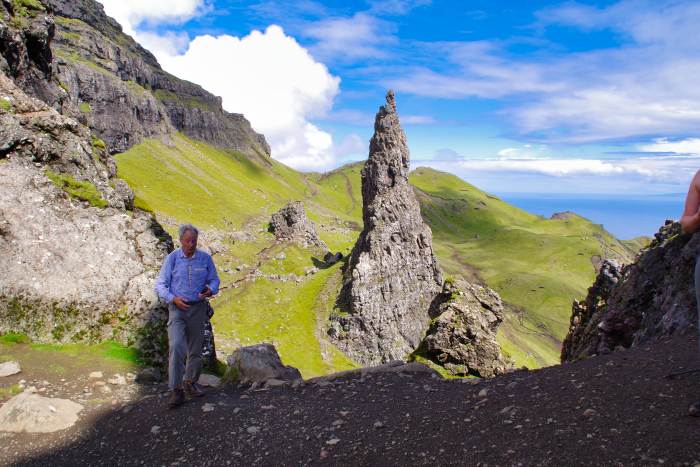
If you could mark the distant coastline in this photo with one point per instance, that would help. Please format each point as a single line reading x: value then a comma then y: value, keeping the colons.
x: 625, y: 216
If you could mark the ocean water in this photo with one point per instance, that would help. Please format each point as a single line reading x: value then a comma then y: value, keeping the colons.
x: 626, y: 216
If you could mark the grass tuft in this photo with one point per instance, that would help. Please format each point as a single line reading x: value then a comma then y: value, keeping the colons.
x: 85, y: 191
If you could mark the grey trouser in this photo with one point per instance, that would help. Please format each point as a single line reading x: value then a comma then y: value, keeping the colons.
x: 185, y: 338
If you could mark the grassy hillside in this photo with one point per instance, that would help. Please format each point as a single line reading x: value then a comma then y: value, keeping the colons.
x: 537, y: 265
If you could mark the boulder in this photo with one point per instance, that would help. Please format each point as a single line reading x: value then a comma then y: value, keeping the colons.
x: 392, y: 275
x: 462, y: 337
x: 256, y: 364
x: 9, y: 368
x: 31, y: 413
x: 651, y: 298
x: 292, y: 224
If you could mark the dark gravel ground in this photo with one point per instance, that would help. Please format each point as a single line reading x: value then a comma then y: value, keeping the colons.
x: 613, y: 409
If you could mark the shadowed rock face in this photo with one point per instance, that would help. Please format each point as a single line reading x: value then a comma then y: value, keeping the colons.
x: 392, y: 275
x: 651, y: 298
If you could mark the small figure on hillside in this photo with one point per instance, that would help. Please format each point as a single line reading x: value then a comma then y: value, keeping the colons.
x: 187, y: 279
x: 690, y: 221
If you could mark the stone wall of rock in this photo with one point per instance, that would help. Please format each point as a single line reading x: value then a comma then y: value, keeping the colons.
x: 292, y: 224
x: 78, y: 266
x: 651, y: 298
x: 462, y: 336
x: 392, y: 275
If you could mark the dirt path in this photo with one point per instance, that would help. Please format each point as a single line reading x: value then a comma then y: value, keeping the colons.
x: 606, y: 410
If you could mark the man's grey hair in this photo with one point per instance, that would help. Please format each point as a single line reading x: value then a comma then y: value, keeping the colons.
x: 185, y: 227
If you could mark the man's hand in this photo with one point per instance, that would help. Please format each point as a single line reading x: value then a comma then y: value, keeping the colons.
x: 205, y: 294
x: 180, y: 303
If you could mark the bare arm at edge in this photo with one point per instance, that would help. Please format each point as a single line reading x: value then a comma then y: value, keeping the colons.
x: 690, y: 220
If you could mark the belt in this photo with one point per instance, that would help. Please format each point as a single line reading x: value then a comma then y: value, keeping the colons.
x: 193, y: 302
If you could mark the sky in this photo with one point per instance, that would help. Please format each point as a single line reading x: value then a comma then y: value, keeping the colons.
x: 512, y: 96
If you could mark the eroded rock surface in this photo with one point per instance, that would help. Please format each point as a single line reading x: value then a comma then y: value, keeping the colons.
x: 462, y: 336
x: 392, y: 275
x: 651, y: 298
x: 292, y: 224
x: 77, y: 267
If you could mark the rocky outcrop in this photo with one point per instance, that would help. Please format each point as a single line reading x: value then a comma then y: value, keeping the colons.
x: 78, y: 265
x: 651, y: 298
x: 392, y: 276
x: 258, y: 364
x: 292, y: 224
x: 79, y: 61
x: 462, y: 337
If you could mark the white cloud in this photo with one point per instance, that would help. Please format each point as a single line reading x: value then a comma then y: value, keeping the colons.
x: 418, y: 120
x: 131, y: 13
x: 685, y: 146
x: 360, y: 36
x: 267, y: 76
x: 273, y: 81
x: 645, y: 87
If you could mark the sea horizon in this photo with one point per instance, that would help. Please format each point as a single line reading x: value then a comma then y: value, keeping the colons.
x: 625, y: 216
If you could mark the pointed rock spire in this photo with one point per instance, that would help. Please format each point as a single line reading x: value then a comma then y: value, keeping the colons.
x: 392, y: 276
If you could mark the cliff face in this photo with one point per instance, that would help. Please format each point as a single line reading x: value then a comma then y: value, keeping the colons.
x: 651, y: 298
x: 392, y: 275
x: 78, y: 264
x: 108, y: 82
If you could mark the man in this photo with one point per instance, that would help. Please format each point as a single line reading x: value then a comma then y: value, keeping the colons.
x: 188, y: 277
x: 690, y: 222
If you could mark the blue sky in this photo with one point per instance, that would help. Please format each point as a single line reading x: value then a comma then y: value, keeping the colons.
x: 561, y: 97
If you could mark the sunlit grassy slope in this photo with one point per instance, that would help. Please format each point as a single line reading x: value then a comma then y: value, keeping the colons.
x: 537, y: 265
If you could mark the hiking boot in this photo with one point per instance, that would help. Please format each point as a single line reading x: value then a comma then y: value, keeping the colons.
x: 694, y: 409
x: 177, y: 397
x: 192, y: 389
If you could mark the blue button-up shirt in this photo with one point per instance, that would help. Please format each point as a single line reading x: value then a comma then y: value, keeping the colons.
x: 186, y: 277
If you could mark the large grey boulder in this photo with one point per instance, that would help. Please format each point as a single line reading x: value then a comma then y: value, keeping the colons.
x: 31, y: 413
x: 392, y: 275
x: 257, y: 364
x: 651, y: 298
x: 462, y: 337
x: 292, y: 224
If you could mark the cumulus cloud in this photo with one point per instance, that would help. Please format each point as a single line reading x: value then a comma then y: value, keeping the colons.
x: 267, y: 76
x: 131, y: 13
x: 273, y: 81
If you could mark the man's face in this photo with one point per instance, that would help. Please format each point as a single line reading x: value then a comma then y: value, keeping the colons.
x: 189, y: 242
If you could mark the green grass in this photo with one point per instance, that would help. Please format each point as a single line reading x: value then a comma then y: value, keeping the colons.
x: 190, y: 101
x: 537, y: 265
x: 85, y: 191
x: 109, y: 350
x: 85, y: 108
x: 6, y: 105
x: 13, y: 338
